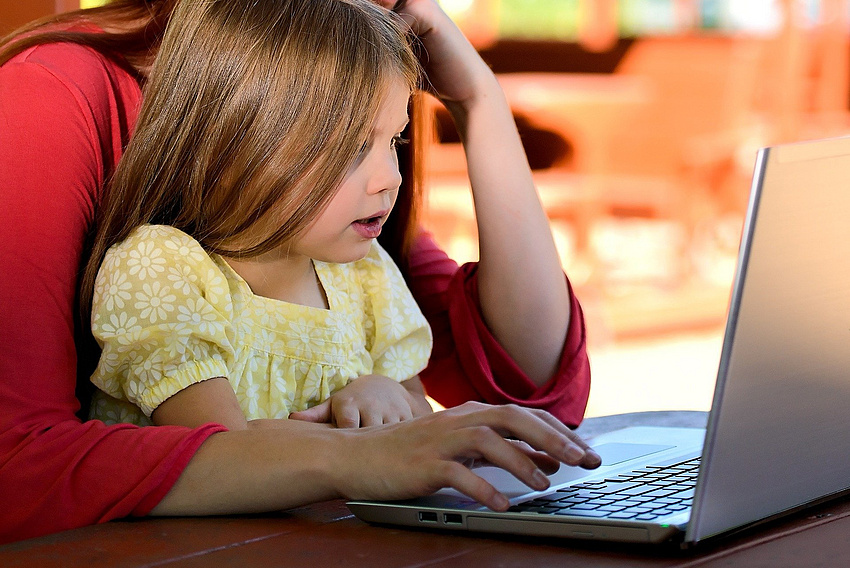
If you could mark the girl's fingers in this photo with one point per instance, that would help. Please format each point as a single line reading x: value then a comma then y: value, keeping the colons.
x: 319, y: 413
x: 346, y: 416
x: 370, y: 417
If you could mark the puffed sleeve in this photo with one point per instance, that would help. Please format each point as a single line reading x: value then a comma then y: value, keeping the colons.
x: 468, y: 363
x: 401, y: 339
x: 161, y: 313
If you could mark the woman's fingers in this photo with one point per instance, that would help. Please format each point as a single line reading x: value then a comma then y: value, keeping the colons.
x: 419, y: 456
x: 462, y: 479
x: 591, y: 459
x: 494, y: 449
x: 538, y: 428
x: 546, y: 463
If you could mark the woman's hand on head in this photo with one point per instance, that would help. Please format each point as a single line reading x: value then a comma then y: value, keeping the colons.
x: 420, y: 456
x: 455, y: 71
x: 370, y: 400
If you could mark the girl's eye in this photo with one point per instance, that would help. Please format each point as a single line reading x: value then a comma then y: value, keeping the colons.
x: 398, y: 141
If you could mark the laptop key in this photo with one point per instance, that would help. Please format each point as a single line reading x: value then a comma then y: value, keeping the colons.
x: 659, y: 493
x: 595, y: 513
x: 622, y: 515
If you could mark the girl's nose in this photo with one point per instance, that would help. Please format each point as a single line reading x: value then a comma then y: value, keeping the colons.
x: 386, y: 175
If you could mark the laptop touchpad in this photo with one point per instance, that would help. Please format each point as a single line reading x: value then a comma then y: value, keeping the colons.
x: 619, y: 452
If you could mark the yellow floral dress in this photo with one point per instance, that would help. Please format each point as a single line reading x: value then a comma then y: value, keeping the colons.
x: 168, y: 315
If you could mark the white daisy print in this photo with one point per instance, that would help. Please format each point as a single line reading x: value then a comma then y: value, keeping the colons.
x: 197, y: 315
x: 392, y: 321
x: 182, y: 278
x: 118, y: 325
x: 154, y: 302
x: 185, y: 248
x: 145, y: 261
x: 116, y: 291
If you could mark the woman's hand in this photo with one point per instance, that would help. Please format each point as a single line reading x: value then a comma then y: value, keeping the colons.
x: 418, y: 457
x: 299, y: 462
x: 370, y: 400
x: 455, y: 72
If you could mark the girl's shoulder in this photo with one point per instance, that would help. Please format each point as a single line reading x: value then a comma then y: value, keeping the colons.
x: 160, y: 234
x: 159, y: 244
x: 163, y: 260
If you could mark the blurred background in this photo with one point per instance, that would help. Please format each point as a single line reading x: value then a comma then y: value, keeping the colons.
x: 641, y: 120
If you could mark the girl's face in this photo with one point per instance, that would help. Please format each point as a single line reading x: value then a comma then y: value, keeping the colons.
x: 344, y: 230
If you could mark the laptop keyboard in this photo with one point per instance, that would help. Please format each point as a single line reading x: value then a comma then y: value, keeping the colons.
x: 642, y: 495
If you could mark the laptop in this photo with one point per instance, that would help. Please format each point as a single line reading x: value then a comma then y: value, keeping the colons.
x: 778, y: 434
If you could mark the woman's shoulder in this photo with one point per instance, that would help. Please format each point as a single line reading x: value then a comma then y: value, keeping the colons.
x: 71, y: 61
x: 86, y: 73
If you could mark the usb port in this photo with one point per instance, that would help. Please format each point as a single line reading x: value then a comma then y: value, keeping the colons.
x: 453, y: 519
x: 427, y: 517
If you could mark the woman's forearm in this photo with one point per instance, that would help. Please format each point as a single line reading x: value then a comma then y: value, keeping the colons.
x: 523, y: 293
x: 256, y: 470
x: 251, y: 471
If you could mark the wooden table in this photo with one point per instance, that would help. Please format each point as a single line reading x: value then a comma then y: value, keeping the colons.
x: 327, y: 534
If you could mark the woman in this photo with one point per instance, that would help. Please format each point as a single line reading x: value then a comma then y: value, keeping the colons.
x: 506, y: 329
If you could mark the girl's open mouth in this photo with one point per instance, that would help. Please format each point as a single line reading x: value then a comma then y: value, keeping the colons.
x: 369, y: 228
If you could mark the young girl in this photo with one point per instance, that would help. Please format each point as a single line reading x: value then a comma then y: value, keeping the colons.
x: 242, y: 224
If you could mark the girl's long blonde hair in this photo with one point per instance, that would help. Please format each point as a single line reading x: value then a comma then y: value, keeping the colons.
x: 252, y: 114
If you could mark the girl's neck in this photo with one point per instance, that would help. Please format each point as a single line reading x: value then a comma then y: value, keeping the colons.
x: 292, y: 280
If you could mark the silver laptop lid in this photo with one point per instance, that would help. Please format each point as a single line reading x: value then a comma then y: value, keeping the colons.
x: 779, y: 432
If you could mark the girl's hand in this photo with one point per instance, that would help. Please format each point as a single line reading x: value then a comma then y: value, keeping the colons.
x: 419, y: 457
x: 370, y: 400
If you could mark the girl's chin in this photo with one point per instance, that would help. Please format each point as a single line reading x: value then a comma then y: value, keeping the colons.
x: 349, y: 253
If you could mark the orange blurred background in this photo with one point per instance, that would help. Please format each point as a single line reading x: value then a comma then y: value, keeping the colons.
x: 641, y: 120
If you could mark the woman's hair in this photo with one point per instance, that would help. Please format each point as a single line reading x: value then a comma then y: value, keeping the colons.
x: 129, y: 30
x: 253, y: 112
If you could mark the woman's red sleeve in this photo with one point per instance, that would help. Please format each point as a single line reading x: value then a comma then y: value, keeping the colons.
x: 65, y: 114
x: 468, y: 363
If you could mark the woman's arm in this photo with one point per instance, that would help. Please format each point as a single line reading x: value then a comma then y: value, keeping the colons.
x: 303, y: 462
x: 469, y: 363
x: 523, y: 294
x: 64, y: 112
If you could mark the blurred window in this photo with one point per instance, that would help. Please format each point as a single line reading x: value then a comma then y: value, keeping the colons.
x: 563, y: 19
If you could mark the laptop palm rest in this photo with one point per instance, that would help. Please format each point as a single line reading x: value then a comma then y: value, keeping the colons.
x: 617, y: 449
